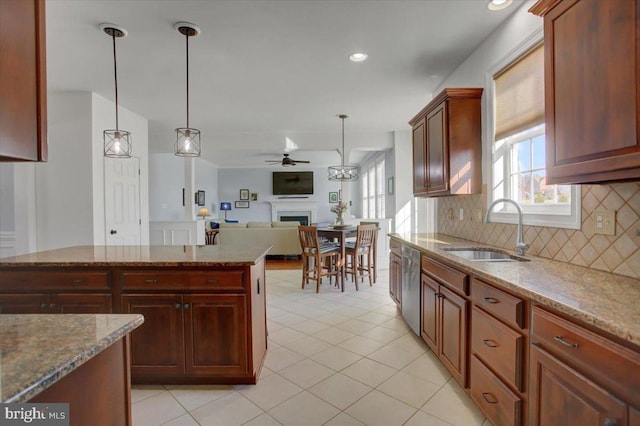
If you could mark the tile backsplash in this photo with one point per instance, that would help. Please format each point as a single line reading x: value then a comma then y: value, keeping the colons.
x: 619, y: 253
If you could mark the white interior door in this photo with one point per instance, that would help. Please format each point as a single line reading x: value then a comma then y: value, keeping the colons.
x: 122, y: 201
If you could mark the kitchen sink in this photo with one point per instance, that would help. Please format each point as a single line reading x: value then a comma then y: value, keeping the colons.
x: 477, y: 254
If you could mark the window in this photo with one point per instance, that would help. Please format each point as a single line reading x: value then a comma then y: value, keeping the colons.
x: 518, y: 150
x: 373, y: 188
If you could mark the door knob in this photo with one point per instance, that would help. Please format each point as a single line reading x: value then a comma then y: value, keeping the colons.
x: 113, y: 231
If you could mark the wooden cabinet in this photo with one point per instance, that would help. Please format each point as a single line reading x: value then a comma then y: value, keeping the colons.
x: 64, y: 303
x: 591, y: 89
x: 23, y: 81
x: 395, y: 272
x: 579, y: 376
x: 444, y: 323
x: 447, y: 144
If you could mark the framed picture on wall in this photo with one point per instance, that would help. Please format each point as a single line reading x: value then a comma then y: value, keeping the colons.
x: 200, y: 198
x: 244, y: 194
x: 242, y: 204
x: 254, y: 196
x: 333, y: 197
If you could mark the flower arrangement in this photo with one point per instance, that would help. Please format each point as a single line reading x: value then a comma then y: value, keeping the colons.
x: 339, y: 209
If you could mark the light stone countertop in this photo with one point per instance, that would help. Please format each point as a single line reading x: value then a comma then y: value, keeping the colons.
x: 208, y: 255
x: 607, y: 301
x: 38, y: 350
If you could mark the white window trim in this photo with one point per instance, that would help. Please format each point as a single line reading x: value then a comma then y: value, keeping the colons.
x: 572, y: 221
x: 370, y: 163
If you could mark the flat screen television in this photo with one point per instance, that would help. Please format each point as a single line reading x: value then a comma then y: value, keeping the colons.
x: 292, y: 183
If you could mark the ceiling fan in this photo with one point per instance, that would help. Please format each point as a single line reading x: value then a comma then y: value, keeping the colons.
x: 286, y: 161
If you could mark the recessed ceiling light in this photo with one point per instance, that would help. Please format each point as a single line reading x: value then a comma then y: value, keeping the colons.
x: 358, y: 57
x: 499, y: 4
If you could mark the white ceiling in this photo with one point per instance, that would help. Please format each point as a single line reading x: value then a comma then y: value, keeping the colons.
x: 265, y: 70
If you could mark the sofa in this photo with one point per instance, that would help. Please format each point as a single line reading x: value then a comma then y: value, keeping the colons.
x: 282, y: 236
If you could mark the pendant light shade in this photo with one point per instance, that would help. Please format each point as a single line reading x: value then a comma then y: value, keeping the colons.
x: 117, y: 142
x: 343, y: 172
x: 187, y: 138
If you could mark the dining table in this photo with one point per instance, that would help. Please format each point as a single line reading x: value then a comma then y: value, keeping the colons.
x: 339, y: 234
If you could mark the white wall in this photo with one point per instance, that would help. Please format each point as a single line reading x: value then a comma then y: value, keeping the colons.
x: 206, y: 179
x: 166, y: 177
x: 259, y: 180
x: 403, y: 214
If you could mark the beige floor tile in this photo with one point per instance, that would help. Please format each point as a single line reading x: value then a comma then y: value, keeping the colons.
x: 285, y: 335
x: 156, y: 409
x: 281, y: 357
x: 343, y: 419
x: 332, y: 318
x: 451, y: 404
x: 428, y: 367
x: 374, y: 318
x: 304, y: 409
x: 340, y: 391
x: 382, y: 334
x: 270, y: 392
x: 393, y: 357
x: 310, y: 326
x: 378, y: 409
x: 230, y: 410
x: 333, y: 335
x: 306, y: 373
x: 369, y: 372
x: 355, y: 326
x: 397, y: 323
x: 361, y: 345
x: 194, y: 396
x: 410, y: 343
x: 336, y: 358
x: 273, y: 326
x: 350, y: 311
x: 289, y: 319
x: 263, y: 420
x: 309, y: 346
x: 265, y: 372
x: 409, y: 389
x: 185, y: 420
x: 140, y: 392
x: 421, y: 418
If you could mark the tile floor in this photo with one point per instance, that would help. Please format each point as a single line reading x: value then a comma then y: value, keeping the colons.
x: 334, y: 359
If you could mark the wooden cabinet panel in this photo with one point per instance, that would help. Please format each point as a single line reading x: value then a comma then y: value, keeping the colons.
x: 54, y: 280
x: 157, y: 346
x: 216, y: 334
x: 508, y: 308
x: 419, y: 159
x: 437, y: 150
x: 634, y: 416
x: 453, y: 334
x: 258, y: 301
x: 497, y: 401
x: 498, y: 346
x: 562, y: 396
x: 24, y: 303
x: 159, y: 280
x: 430, y: 311
x: 83, y: 303
x: 23, y: 82
x: 395, y: 278
x: 455, y: 279
x: 591, y: 52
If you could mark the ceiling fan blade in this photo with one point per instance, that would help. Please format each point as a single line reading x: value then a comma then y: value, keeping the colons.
x: 302, y: 161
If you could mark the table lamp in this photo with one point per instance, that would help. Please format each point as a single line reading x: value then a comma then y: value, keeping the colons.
x: 226, y: 207
x: 204, y: 212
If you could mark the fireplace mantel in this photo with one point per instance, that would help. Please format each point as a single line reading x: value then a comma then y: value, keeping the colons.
x: 301, y: 207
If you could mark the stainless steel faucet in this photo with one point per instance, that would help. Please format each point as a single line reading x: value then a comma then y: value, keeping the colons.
x: 521, y: 246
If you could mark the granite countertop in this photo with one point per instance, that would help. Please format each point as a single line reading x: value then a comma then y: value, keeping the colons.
x: 38, y: 350
x: 608, y: 301
x: 209, y: 255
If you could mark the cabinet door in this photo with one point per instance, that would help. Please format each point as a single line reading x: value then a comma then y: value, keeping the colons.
x: 453, y: 329
x: 634, y: 416
x: 216, y: 334
x: 437, y: 150
x: 591, y: 91
x: 82, y: 303
x: 157, y: 346
x: 419, y: 160
x: 562, y: 396
x: 395, y: 278
x: 23, y: 106
x: 24, y: 303
x: 430, y: 311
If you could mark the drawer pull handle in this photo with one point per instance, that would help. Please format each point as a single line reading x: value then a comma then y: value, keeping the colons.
x: 76, y: 281
x: 53, y: 305
x: 491, y: 300
x: 439, y: 295
x: 212, y: 281
x: 258, y: 285
x: 186, y: 306
x: 610, y: 422
x: 151, y: 281
x: 43, y: 305
x: 490, y: 343
x: 178, y: 306
x: 489, y: 398
x: 560, y: 339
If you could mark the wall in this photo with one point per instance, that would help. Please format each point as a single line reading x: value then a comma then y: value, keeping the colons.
x: 403, y: 214
x: 7, y: 215
x: 206, y: 179
x: 259, y: 180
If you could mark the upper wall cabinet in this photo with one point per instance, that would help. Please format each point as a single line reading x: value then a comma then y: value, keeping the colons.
x: 447, y: 144
x: 591, y: 89
x: 23, y: 81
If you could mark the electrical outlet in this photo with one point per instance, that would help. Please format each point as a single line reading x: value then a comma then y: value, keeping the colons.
x: 450, y: 214
x: 461, y: 214
x: 604, y: 222
x: 477, y: 213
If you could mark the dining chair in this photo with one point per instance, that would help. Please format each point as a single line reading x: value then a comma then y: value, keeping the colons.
x: 325, y: 257
x: 374, y: 250
x: 356, y: 253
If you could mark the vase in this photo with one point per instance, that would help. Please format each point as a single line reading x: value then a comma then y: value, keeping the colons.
x: 339, y: 219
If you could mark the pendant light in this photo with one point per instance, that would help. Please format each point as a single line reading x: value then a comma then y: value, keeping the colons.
x: 343, y: 172
x: 117, y: 142
x: 187, y: 138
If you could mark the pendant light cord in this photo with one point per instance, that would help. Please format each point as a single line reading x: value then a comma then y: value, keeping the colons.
x: 342, y: 143
x: 187, y: 37
x: 115, y: 73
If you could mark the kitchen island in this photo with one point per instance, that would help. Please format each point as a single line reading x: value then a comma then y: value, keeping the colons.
x: 81, y: 360
x: 204, y: 306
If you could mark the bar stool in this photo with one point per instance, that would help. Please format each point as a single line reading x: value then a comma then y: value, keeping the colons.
x: 325, y: 257
x: 365, y: 235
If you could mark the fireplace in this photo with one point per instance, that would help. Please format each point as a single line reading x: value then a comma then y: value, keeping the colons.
x: 304, y: 220
x: 302, y: 211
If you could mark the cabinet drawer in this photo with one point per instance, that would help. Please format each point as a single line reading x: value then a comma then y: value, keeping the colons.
x: 496, y: 400
x: 446, y: 275
x: 54, y: 280
x: 176, y: 280
x: 498, y: 346
x: 606, y: 362
x: 503, y: 305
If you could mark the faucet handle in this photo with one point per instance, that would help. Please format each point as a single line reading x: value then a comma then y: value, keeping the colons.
x: 521, y: 248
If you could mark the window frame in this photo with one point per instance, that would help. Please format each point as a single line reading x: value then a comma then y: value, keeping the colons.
x: 371, y: 202
x: 547, y: 216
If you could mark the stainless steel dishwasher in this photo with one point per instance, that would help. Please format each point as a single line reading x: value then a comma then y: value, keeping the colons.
x: 411, y: 287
